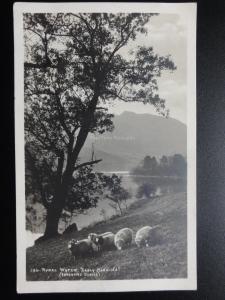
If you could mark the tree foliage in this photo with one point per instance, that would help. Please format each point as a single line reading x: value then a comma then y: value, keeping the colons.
x: 175, y: 165
x: 146, y: 189
x: 73, y: 70
x: 115, y: 191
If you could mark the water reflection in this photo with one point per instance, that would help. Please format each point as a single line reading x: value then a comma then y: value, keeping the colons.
x: 150, y: 186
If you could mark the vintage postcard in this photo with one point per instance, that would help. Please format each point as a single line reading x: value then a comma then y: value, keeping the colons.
x: 105, y: 134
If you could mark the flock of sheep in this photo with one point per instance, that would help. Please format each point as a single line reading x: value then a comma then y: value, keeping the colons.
x: 145, y: 236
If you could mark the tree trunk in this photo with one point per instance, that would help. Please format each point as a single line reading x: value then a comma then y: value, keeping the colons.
x: 52, y: 218
x: 52, y: 221
x: 121, y: 212
x: 125, y: 201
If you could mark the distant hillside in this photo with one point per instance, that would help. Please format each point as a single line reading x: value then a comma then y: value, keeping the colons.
x: 134, y: 136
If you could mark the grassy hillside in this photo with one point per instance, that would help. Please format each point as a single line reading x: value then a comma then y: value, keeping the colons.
x: 165, y: 260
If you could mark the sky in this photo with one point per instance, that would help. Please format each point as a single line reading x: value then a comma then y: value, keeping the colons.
x: 167, y: 36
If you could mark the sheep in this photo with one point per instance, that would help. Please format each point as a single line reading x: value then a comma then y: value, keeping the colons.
x: 123, y: 238
x: 81, y: 248
x: 92, y: 236
x: 106, y: 240
x: 147, y: 236
x: 102, y: 241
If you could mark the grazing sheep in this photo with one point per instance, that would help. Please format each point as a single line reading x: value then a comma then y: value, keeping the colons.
x: 81, y: 248
x: 92, y: 237
x: 123, y: 238
x: 106, y: 233
x: 106, y: 240
x: 102, y: 241
x: 147, y: 236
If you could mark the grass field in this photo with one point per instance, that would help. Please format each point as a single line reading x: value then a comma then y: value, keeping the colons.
x: 52, y: 261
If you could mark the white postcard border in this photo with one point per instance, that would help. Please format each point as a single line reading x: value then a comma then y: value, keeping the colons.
x: 188, y: 12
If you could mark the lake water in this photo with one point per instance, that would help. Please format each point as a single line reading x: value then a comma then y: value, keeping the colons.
x: 31, y: 237
x: 158, y: 185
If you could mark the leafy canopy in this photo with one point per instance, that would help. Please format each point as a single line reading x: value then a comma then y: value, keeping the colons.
x: 74, y: 70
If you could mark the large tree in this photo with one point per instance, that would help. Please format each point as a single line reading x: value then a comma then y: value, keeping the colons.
x: 73, y: 70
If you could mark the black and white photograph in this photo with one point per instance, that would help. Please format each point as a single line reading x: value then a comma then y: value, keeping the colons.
x: 105, y: 134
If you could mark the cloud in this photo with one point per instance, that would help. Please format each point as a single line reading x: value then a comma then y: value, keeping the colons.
x: 167, y: 35
x: 175, y: 95
x: 167, y: 31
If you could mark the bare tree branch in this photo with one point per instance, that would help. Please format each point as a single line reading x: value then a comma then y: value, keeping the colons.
x: 60, y: 167
x: 89, y: 163
x: 39, y: 66
x: 61, y: 116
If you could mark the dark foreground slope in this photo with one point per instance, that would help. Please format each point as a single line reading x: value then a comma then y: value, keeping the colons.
x: 52, y: 261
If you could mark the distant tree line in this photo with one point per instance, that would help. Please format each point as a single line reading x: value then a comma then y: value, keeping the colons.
x: 175, y: 165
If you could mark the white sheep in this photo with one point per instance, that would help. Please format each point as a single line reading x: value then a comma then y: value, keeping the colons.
x: 147, y: 236
x: 102, y: 241
x: 123, y: 238
x: 106, y: 240
x: 81, y: 248
x: 92, y: 236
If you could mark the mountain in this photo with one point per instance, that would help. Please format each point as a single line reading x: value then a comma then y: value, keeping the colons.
x: 135, y: 136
